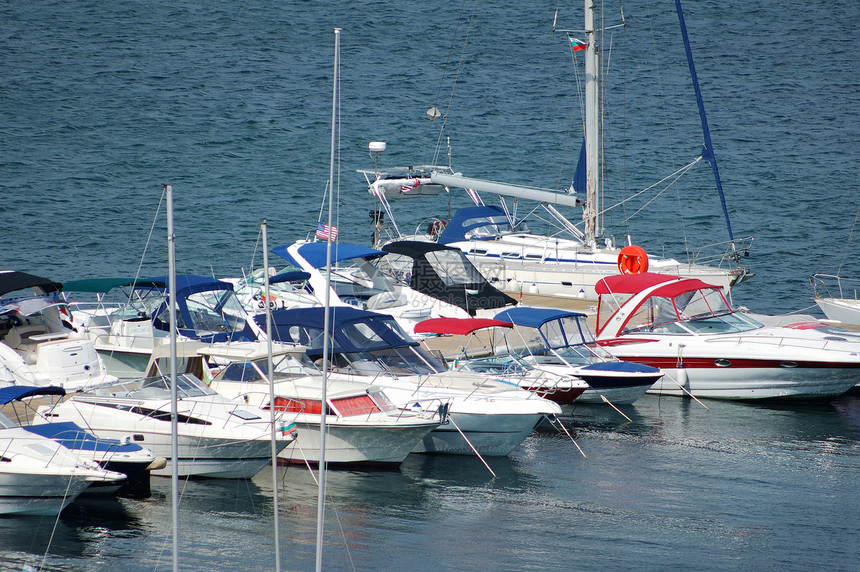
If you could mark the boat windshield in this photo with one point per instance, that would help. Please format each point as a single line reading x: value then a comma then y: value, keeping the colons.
x: 6, y: 423
x: 485, y: 227
x: 502, y: 364
x: 404, y: 360
x: 454, y: 268
x: 567, y: 331
x: 157, y: 387
x: 584, y: 354
x: 286, y: 366
x: 703, y: 311
x: 208, y: 313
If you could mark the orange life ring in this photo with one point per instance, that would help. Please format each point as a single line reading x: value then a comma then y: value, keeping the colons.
x: 632, y: 260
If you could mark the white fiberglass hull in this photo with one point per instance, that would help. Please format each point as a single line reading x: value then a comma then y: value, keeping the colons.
x: 38, y: 476
x: 758, y: 383
x: 843, y: 310
x: 213, y: 443
x: 491, y: 435
x: 39, y: 494
x: 213, y: 457
x: 494, y: 421
x: 360, y: 444
x: 375, y: 438
x: 615, y: 395
x: 537, y: 265
x: 748, y: 367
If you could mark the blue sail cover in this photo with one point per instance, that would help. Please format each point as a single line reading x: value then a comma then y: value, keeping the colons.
x: 579, y: 182
x: 470, y: 218
x: 315, y: 253
x: 353, y: 330
x: 535, y: 317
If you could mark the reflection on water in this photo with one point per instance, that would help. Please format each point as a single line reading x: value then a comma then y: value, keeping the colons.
x: 749, y: 485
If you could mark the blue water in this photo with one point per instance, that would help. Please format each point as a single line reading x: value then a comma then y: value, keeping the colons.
x: 101, y: 103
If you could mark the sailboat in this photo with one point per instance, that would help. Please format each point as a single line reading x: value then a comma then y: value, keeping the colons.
x: 519, y: 261
x: 837, y: 298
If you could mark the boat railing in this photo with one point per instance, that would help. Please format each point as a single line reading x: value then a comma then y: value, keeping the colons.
x: 724, y: 254
x: 828, y: 285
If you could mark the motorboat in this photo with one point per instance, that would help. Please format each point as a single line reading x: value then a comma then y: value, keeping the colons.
x: 39, y: 476
x: 125, y: 331
x: 561, y: 342
x: 217, y: 437
x: 444, y: 273
x: 483, y: 415
x: 687, y: 328
x: 363, y: 427
x: 468, y: 345
x: 38, y: 344
x: 357, y: 280
x: 287, y: 289
x: 121, y: 456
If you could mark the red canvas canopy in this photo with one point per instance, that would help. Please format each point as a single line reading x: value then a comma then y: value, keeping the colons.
x: 630, y: 283
x: 458, y: 326
x: 635, y: 283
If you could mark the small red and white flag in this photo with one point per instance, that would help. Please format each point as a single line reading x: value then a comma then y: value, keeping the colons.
x: 324, y: 230
x: 406, y: 188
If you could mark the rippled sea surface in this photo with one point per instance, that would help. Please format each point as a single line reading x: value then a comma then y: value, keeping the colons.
x: 230, y: 102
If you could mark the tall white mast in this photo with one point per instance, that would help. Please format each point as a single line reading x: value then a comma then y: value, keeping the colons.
x: 326, y: 324
x: 592, y: 128
x: 174, y: 415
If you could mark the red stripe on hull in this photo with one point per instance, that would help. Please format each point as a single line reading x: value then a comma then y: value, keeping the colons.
x: 711, y: 363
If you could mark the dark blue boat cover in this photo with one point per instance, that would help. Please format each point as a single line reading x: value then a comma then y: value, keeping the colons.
x: 315, y: 253
x: 535, y: 317
x: 353, y: 330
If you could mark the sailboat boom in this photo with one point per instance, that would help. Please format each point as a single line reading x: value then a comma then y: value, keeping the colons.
x: 540, y: 195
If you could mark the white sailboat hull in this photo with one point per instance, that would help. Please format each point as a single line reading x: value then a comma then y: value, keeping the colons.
x: 549, y: 267
x: 843, y: 310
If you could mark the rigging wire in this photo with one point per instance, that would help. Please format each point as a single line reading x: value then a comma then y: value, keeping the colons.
x: 437, y: 148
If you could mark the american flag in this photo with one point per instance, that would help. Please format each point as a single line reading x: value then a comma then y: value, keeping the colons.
x: 407, y: 188
x: 323, y: 232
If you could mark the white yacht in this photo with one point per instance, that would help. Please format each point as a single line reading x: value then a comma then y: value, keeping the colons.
x: 218, y: 437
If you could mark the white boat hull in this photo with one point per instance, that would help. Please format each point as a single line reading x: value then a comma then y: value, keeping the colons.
x: 357, y: 444
x: 843, y: 310
x: 758, y: 383
x: 38, y: 494
x: 574, y: 277
x: 225, y: 458
x: 490, y: 435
